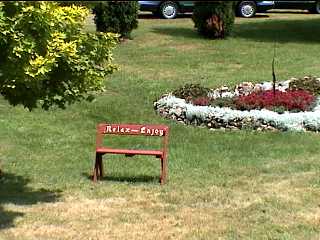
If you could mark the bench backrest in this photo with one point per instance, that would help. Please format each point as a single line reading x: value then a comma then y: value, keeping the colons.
x: 133, y: 129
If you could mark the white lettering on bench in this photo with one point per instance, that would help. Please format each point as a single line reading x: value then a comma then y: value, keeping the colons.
x: 108, y: 129
x: 143, y: 130
x: 151, y: 131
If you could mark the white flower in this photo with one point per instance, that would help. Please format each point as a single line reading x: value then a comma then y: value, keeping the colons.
x: 286, y: 121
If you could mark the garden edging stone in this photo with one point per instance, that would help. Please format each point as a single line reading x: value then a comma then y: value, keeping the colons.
x: 179, y: 110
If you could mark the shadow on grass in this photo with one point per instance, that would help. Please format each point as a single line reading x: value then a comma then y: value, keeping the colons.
x: 260, y: 15
x: 132, y: 179
x: 184, y: 32
x: 14, y: 190
x: 283, y: 31
x: 128, y: 179
x: 7, y: 217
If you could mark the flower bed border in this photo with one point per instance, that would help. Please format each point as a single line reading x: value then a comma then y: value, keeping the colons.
x: 179, y: 110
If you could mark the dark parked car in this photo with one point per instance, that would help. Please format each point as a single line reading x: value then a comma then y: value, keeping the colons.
x: 312, y: 6
x: 170, y: 9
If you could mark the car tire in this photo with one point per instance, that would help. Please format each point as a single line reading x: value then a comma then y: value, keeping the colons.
x: 247, y: 9
x: 168, y: 10
x: 316, y: 8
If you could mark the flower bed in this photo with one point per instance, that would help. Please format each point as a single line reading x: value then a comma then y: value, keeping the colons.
x: 215, y: 117
x: 298, y: 100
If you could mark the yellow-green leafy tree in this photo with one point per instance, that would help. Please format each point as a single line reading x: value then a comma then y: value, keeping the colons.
x: 46, y: 57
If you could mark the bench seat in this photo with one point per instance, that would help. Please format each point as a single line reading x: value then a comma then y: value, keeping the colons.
x: 130, y: 151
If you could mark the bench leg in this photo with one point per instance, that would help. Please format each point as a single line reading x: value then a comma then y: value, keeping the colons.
x: 98, y: 168
x: 164, y: 170
x: 101, y: 166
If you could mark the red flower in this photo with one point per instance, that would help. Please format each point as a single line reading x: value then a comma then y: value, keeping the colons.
x: 201, y: 101
x: 290, y: 100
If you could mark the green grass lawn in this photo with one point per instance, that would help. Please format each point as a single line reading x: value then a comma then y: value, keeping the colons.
x: 222, y: 185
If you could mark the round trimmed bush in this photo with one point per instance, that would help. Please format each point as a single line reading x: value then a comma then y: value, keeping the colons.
x: 214, y: 19
x: 116, y: 16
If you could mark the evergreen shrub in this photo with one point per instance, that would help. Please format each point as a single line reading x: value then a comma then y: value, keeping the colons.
x: 214, y: 19
x: 116, y: 16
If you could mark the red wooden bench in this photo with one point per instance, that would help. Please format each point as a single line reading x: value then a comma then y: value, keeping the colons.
x: 131, y: 129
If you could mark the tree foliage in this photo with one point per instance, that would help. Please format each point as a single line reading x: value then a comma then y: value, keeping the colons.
x: 47, y: 58
x: 214, y: 19
x: 116, y: 16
